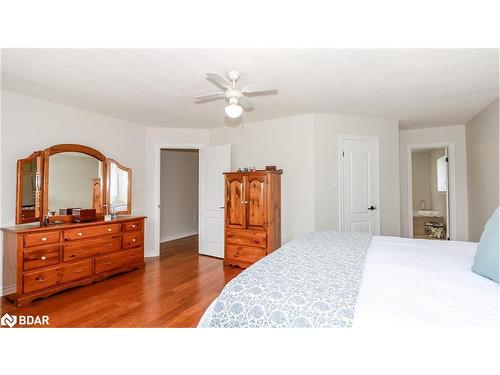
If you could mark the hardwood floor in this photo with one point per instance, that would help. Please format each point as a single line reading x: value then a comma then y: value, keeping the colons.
x: 172, y: 291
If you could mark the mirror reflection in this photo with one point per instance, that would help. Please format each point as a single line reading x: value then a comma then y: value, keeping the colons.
x: 30, y: 185
x: 119, y: 189
x: 74, y: 182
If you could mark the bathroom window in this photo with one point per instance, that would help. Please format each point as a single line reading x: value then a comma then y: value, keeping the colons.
x: 442, y: 175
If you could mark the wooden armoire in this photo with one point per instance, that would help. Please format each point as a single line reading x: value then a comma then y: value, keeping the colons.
x: 252, y: 216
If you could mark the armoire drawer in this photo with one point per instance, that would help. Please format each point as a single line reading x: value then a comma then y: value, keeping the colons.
x: 37, y: 280
x: 89, y: 232
x: 41, y: 257
x: 41, y: 238
x: 97, y: 246
x: 110, y: 262
x: 246, y: 237
x: 245, y: 253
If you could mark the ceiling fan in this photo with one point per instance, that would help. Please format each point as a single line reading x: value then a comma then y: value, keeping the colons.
x: 237, y: 101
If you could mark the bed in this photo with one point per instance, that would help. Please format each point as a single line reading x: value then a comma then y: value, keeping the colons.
x: 332, y: 279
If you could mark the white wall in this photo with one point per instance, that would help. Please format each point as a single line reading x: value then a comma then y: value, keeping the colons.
x: 156, y: 139
x: 421, y: 183
x: 30, y: 124
x: 432, y: 136
x: 482, y: 166
x: 438, y: 199
x: 179, y: 194
x: 288, y: 144
x: 306, y: 148
x: 327, y: 129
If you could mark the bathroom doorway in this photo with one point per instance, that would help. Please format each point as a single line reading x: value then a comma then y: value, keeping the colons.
x: 430, y: 193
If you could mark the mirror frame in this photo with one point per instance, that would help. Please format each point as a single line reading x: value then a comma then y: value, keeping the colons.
x: 41, y: 203
x: 128, y: 211
x: 72, y: 148
x: 38, y: 156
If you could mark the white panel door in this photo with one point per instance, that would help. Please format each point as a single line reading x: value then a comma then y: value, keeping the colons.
x: 359, y: 193
x: 214, y: 160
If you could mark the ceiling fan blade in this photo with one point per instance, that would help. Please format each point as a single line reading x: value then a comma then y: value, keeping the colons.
x: 210, y: 96
x: 218, y: 81
x: 259, y: 87
x: 246, y: 103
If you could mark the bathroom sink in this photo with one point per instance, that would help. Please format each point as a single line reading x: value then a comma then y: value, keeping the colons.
x: 428, y: 213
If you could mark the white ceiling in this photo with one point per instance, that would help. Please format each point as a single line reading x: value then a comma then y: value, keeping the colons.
x: 420, y: 88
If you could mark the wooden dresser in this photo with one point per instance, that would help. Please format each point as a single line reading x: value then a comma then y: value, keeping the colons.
x: 41, y: 261
x: 252, y: 216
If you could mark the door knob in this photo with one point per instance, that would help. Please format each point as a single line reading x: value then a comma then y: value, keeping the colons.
x: 371, y: 208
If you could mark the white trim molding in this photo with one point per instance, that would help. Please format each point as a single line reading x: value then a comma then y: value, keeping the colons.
x: 178, y: 235
x: 157, y: 188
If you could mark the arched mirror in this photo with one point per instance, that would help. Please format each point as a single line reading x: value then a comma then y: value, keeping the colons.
x: 66, y: 177
x: 119, y: 194
x: 74, y: 177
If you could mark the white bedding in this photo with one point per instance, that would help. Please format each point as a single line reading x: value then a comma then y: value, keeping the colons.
x: 424, y: 282
x: 420, y: 282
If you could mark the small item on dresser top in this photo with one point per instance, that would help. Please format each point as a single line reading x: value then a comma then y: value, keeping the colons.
x: 67, y: 211
x: 270, y: 168
x: 84, y: 214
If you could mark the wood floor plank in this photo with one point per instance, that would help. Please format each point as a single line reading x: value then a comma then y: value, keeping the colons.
x: 173, y: 290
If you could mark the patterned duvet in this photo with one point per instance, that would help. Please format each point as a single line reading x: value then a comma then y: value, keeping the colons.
x: 310, y: 282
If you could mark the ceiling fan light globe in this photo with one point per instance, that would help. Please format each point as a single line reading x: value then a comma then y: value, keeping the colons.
x: 233, y: 110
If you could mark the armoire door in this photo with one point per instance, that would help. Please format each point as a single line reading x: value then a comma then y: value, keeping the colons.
x: 256, y: 198
x: 235, y: 201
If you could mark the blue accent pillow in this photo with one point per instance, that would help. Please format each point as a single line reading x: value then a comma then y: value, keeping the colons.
x: 486, y: 259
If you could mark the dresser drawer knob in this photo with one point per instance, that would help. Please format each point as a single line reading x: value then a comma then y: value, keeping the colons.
x: 79, y: 270
x: 133, y: 226
x: 108, y: 262
x: 44, y: 239
x: 109, y: 229
x: 80, y: 234
x: 41, y: 279
x: 43, y: 257
x: 133, y: 239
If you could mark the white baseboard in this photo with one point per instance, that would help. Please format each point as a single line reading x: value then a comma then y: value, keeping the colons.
x: 178, y: 235
x: 149, y: 254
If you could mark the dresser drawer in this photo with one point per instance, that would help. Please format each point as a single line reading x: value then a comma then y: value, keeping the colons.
x: 41, y: 238
x: 89, y: 248
x: 110, y: 262
x: 131, y: 239
x: 88, y: 232
x: 246, y: 237
x: 40, y: 257
x: 131, y: 226
x: 245, y: 253
x: 34, y: 281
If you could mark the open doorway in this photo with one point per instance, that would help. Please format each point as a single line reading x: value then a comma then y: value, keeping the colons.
x: 179, y: 191
x: 430, y: 198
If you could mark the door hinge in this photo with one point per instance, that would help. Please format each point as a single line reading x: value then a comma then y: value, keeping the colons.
x: 343, y: 154
x: 447, y: 160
